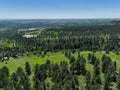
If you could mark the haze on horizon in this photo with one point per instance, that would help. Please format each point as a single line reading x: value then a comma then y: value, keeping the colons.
x: 59, y: 9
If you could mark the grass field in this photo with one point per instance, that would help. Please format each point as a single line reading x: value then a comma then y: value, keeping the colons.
x: 56, y: 58
x: 5, y: 43
x: 33, y: 60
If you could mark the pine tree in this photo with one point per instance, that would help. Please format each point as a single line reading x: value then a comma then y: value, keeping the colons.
x: 18, y: 87
x: 106, y: 86
x: 27, y: 85
x: 87, y: 80
x: 72, y: 59
x: 11, y: 85
x: 89, y: 57
x: 98, y: 81
x: 6, y: 71
x: 36, y: 84
x: 14, y: 79
x: 5, y: 82
x: 96, y: 69
x: 27, y: 68
x: 118, y: 81
x: 20, y: 71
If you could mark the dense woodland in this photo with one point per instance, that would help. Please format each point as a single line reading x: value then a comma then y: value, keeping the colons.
x: 63, y: 76
x: 94, y: 38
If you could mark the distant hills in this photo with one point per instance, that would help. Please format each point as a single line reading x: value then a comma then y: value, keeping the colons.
x: 33, y: 23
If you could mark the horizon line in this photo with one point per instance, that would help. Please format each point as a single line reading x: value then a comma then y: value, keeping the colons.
x: 50, y: 18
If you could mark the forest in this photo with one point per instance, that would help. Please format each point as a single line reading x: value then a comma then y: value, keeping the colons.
x: 60, y: 57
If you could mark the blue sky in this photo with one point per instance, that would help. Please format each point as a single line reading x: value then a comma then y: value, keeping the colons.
x: 44, y: 9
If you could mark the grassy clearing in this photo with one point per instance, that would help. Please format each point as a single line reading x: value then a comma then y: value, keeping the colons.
x: 5, y: 44
x: 56, y: 58
x: 33, y: 60
x: 34, y: 32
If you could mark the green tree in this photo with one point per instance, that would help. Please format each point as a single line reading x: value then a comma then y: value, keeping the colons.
x: 118, y: 80
x: 5, y: 83
x: 27, y: 68
x: 106, y: 86
x: 27, y: 85
x: 6, y: 71
x: 87, y: 80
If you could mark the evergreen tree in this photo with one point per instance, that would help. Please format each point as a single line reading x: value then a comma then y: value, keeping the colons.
x: 72, y: 59
x: 6, y: 71
x: 118, y: 80
x: 27, y: 85
x: 87, y: 80
x: 106, y: 86
x: 14, y: 79
x: 28, y: 68
x: 5, y: 83
x: 96, y: 68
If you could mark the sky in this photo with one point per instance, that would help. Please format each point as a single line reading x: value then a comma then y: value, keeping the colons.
x: 59, y: 9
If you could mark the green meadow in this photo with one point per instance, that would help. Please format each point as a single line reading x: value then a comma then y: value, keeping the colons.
x: 56, y: 58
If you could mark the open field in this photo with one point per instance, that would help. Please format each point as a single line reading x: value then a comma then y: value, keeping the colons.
x: 54, y: 58
x: 33, y: 60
